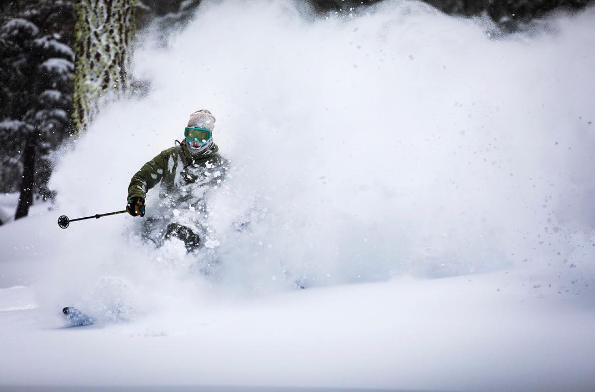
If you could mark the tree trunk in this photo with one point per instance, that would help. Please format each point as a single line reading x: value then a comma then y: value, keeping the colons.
x: 28, y: 182
x: 104, y: 33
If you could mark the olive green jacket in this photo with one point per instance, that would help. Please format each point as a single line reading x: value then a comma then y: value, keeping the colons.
x: 175, y: 169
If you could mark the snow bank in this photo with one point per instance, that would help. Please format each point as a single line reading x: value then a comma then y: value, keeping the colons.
x: 17, y: 298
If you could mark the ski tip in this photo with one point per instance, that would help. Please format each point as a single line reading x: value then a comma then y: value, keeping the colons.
x: 76, y: 318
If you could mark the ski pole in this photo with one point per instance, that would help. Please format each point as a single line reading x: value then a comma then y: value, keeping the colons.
x: 63, y: 220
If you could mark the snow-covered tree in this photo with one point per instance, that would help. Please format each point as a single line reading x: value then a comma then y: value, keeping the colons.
x: 104, y: 33
x: 36, y: 72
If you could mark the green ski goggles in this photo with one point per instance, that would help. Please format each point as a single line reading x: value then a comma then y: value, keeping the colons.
x: 193, y: 133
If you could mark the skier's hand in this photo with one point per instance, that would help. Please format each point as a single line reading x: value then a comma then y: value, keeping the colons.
x: 136, y: 206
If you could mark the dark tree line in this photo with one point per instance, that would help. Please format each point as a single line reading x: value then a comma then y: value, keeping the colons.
x: 501, y: 11
x: 36, y: 66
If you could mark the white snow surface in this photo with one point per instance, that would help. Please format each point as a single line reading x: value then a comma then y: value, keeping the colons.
x: 17, y: 298
x: 429, y: 184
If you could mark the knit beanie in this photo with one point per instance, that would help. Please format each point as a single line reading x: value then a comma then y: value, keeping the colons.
x: 202, y: 119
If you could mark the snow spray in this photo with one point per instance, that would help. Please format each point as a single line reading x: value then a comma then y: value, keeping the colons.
x: 393, y: 140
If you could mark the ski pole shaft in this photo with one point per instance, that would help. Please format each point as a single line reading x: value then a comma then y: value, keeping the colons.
x: 97, y: 216
x: 64, y: 221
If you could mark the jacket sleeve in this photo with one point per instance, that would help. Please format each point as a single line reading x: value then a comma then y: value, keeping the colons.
x: 148, y: 176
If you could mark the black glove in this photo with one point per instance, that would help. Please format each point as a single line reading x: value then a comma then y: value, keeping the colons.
x: 136, y: 206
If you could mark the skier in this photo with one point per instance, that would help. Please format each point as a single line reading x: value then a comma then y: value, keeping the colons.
x: 185, y: 173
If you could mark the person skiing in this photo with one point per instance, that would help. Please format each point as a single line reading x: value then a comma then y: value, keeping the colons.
x: 185, y: 172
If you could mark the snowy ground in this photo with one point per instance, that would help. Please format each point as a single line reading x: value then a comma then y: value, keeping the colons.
x: 448, y: 334
x: 496, y: 331
x: 8, y: 202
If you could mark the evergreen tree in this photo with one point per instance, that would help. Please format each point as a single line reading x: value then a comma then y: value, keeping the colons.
x: 36, y: 71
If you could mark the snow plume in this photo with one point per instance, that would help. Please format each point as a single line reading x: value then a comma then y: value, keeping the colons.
x: 396, y: 141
